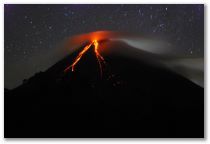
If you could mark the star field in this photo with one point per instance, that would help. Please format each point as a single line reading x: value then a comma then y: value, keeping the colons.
x: 32, y: 32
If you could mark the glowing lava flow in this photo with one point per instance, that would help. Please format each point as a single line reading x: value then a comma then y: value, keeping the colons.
x: 98, y: 56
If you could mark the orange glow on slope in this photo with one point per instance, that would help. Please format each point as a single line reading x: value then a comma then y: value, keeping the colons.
x: 98, y: 56
x: 78, y: 58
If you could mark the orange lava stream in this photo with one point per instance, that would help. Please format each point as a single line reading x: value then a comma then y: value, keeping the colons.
x: 98, y: 56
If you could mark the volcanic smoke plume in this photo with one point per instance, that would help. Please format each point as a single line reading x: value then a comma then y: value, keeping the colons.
x: 191, y: 67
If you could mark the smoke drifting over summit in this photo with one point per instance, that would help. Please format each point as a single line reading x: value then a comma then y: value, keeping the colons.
x: 191, y: 67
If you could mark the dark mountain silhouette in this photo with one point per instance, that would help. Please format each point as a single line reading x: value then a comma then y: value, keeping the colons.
x: 133, y: 98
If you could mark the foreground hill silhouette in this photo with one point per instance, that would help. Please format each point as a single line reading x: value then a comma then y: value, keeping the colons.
x: 133, y: 98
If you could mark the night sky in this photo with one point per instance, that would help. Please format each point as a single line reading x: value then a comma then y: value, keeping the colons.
x: 32, y: 32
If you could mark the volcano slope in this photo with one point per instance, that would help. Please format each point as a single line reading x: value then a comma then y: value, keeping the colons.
x: 132, y: 99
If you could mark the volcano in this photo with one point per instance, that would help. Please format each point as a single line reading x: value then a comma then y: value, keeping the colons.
x: 132, y: 98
